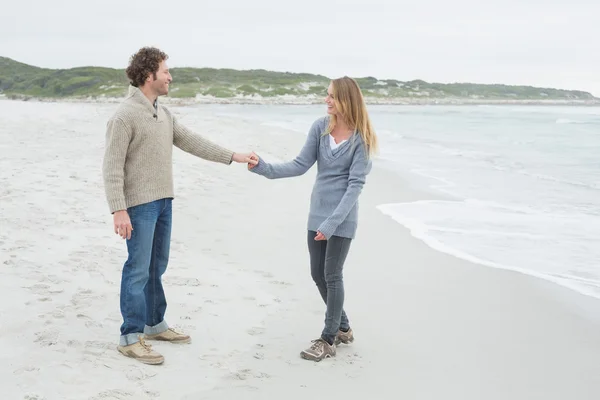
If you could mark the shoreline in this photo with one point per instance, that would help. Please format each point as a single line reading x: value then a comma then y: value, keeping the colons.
x: 310, y: 100
x: 416, y: 184
x: 462, y: 255
x: 428, y: 325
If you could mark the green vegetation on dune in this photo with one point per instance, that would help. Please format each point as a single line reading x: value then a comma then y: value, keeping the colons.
x: 18, y: 79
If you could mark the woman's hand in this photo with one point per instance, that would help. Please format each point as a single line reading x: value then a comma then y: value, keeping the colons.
x: 320, y: 236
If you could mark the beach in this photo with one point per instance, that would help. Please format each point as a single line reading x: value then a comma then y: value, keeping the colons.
x: 428, y: 325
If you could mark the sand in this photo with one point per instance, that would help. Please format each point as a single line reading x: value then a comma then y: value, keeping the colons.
x: 427, y: 325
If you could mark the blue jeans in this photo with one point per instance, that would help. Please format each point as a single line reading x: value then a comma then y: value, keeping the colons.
x: 143, y: 302
x: 327, y: 259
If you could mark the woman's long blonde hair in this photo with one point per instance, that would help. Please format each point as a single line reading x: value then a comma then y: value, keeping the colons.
x: 350, y: 103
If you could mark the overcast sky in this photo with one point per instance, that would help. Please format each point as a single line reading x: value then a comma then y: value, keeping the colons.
x: 550, y: 43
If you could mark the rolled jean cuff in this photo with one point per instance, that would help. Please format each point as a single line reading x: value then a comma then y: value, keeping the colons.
x: 153, y: 330
x: 130, y: 338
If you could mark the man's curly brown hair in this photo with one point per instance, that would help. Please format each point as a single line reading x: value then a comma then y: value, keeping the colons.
x: 146, y: 61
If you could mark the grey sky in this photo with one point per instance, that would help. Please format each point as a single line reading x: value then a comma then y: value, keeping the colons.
x: 552, y: 43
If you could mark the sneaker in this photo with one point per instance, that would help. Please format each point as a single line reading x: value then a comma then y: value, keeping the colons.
x: 170, y: 335
x: 344, y: 337
x: 319, y: 350
x: 142, y: 352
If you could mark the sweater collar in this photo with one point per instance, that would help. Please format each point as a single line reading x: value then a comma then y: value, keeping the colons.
x: 137, y: 96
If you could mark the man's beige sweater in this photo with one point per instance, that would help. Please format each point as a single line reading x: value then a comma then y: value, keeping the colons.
x: 137, y: 166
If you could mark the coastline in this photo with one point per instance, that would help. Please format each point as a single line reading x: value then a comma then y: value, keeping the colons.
x: 308, y: 100
x: 428, y: 325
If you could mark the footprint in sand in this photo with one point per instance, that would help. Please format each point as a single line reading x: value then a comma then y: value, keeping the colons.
x: 181, y: 281
x: 256, y: 331
x: 245, y: 374
x: 86, y: 298
x: 38, y: 288
x: 28, y: 369
x: 33, y: 397
x: 139, y: 374
x: 53, y: 279
x: 353, y: 358
x: 21, y: 244
x: 264, y: 274
x: 97, y: 348
x: 47, y: 338
x: 89, y: 322
x: 281, y: 283
x: 79, y: 260
x: 93, y: 324
x: 115, y: 394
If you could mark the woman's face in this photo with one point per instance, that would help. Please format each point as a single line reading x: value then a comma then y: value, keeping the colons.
x: 329, y: 100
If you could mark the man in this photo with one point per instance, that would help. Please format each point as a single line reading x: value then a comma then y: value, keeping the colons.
x: 138, y: 179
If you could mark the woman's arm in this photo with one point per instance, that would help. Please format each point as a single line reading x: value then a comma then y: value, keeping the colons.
x: 299, y: 165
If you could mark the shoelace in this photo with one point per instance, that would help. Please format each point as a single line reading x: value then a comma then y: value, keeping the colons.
x: 317, y: 345
x: 146, y: 346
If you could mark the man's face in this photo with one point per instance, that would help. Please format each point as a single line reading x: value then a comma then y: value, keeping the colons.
x: 160, y: 85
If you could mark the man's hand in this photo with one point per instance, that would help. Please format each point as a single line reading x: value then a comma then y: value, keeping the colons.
x: 320, y: 236
x: 244, y: 158
x: 122, y: 224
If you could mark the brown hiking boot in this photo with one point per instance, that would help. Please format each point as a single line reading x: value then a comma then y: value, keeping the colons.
x: 142, y: 352
x: 170, y: 335
x: 344, y: 337
x: 319, y: 350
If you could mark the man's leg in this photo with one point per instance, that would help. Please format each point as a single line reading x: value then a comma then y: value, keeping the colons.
x: 136, y: 272
x: 156, y: 303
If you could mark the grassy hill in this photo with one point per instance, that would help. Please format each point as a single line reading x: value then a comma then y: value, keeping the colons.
x: 22, y: 80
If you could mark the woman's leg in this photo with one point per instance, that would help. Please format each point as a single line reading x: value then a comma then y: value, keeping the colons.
x: 335, y: 256
x: 317, y: 250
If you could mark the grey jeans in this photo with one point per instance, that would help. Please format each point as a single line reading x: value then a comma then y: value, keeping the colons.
x: 326, y: 265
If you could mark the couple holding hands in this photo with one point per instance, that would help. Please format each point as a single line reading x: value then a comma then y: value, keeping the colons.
x: 138, y: 181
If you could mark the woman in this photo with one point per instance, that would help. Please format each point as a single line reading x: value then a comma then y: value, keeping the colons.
x: 341, y: 144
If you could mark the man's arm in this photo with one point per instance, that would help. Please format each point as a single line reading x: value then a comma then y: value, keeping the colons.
x: 113, y: 172
x: 199, y: 146
x: 113, y: 168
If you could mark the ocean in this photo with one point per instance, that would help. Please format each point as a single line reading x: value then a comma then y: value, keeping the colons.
x: 516, y: 187
x: 513, y: 187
